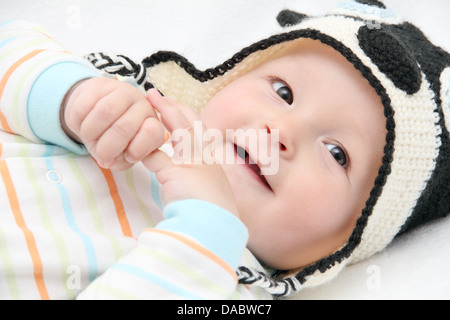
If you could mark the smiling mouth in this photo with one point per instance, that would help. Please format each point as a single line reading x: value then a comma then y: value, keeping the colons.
x: 252, y: 165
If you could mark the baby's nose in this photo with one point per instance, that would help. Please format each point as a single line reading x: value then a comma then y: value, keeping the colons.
x: 285, y: 147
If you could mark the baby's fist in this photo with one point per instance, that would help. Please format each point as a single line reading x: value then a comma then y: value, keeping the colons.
x: 113, y: 120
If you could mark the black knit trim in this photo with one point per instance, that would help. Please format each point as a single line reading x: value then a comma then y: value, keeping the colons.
x: 288, y: 18
x: 212, y: 73
x: 248, y: 272
x: 122, y: 71
x: 373, y: 3
x: 120, y: 65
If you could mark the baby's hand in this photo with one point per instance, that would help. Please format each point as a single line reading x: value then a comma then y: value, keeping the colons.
x: 187, y: 179
x: 113, y: 120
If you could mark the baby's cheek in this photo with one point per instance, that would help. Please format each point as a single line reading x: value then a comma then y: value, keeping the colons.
x: 220, y: 114
x: 323, y: 207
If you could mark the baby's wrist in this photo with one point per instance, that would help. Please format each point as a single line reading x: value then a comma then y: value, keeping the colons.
x: 62, y: 111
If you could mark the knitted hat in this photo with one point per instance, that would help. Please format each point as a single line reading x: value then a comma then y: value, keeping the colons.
x: 412, y: 78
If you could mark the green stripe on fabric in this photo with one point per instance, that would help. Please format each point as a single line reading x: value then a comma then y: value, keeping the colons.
x: 195, y: 276
x: 92, y: 205
x: 5, y: 258
x: 30, y: 44
x: 13, y: 52
x: 44, y: 214
x: 129, y: 176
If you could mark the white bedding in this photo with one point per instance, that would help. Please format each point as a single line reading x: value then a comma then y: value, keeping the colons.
x: 415, y: 266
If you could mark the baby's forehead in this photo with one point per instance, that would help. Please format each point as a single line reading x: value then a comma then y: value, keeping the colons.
x: 304, y: 52
x: 311, y: 59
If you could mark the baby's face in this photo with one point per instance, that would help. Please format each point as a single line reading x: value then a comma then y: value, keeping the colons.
x: 331, y: 131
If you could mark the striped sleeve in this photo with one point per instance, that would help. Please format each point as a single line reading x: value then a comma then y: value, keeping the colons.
x: 190, y: 255
x: 35, y: 73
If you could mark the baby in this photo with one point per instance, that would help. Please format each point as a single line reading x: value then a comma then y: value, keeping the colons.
x: 342, y: 128
x: 357, y: 117
x: 332, y: 133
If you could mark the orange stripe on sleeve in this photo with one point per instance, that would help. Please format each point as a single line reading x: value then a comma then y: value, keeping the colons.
x: 199, y: 248
x: 5, y: 79
x: 29, y: 238
x: 123, y: 220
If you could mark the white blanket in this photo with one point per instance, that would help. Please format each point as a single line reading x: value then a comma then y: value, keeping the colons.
x: 207, y: 32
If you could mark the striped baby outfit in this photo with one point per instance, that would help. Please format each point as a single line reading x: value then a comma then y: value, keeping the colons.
x: 70, y: 229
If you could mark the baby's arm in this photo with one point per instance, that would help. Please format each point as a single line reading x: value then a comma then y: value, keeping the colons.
x: 193, y: 254
x: 36, y: 75
x: 113, y: 120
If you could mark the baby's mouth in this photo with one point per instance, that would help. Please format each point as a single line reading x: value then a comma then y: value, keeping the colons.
x: 251, y: 164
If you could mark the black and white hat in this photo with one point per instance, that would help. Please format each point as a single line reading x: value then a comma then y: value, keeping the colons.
x: 412, y: 78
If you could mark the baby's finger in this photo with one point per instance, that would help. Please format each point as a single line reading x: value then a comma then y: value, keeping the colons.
x: 170, y: 115
x: 150, y: 136
x: 83, y: 99
x: 118, y: 136
x: 186, y: 128
x: 158, y: 101
x: 175, y: 122
x: 157, y: 161
x: 79, y: 105
x: 105, y: 113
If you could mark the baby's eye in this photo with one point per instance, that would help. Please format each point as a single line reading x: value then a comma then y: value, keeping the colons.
x: 338, y: 154
x: 283, y: 90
